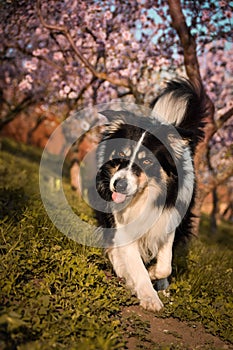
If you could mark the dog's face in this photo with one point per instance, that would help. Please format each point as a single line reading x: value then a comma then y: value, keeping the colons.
x: 132, y: 158
x: 128, y: 163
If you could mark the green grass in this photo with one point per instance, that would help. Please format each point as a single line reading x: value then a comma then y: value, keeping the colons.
x: 58, y: 294
x: 204, y: 291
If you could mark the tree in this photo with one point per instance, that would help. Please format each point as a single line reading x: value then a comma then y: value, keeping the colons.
x: 193, y: 72
x: 64, y: 49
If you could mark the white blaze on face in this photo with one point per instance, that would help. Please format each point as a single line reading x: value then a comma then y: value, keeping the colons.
x: 127, y: 174
x: 136, y: 150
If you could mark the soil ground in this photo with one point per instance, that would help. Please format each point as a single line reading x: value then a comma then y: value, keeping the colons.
x: 170, y: 333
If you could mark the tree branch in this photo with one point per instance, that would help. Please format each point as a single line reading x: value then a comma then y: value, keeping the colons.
x: 12, y: 114
x: 217, y: 179
x: 100, y: 75
x: 83, y: 90
x: 224, y: 118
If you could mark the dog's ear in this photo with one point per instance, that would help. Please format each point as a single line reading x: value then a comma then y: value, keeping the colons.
x: 179, y: 139
x: 114, y: 120
x: 176, y: 142
x: 112, y: 115
x: 125, y: 116
x: 177, y: 135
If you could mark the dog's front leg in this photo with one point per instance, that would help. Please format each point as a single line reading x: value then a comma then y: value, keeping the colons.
x: 128, y: 264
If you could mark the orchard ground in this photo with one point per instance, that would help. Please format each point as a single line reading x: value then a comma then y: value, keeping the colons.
x: 58, y: 294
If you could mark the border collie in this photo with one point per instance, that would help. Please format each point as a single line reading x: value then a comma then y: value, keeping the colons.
x: 146, y: 180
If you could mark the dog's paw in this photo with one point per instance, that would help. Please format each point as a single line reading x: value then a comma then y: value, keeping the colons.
x: 151, y: 303
x: 161, y: 284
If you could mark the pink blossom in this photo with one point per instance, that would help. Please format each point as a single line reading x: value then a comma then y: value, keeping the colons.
x: 126, y: 35
x: 222, y: 3
x: 72, y: 95
x: 106, y: 84
x: 108, y: 15
x: 40, y: 52
x: 141, y: 55
x: 205, y: 15
x: 66, y: 89
x: 38, y: 31
x: 143, y: 18
x: 26, y: 83
x: 120, y: 46
x: 29, y: 78
x: 58, y: 56
x: 62, y: 93
x: 30, y: 65
x: 135, y: 45
x: 228, y: 14
x: 79, y: 42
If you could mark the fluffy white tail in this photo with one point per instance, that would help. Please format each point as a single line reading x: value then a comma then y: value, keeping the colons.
x: 180, y: 104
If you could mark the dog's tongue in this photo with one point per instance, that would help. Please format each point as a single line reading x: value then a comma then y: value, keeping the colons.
x: 118, y: 197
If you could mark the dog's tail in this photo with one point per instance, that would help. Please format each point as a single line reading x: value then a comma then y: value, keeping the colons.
x: 181, y: 105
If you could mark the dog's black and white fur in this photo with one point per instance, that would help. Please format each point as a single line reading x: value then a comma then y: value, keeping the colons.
x: 147, y: 183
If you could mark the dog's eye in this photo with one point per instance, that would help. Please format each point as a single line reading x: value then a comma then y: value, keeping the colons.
x: 121, y: 154
x: 147, y: 162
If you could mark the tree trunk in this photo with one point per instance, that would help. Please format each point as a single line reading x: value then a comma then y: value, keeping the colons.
x: 193, y: 72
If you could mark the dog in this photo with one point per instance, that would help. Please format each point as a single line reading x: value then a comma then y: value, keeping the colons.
x: 146, y: 181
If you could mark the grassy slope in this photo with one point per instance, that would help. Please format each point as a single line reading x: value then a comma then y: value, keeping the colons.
x: 56, y: 293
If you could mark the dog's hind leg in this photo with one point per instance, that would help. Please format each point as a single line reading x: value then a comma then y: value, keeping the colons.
x: 161, y: 284
x: 163, y: 267
x: 128, y: 264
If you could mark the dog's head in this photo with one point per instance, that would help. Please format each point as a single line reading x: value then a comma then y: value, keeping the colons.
x: 133, y: 156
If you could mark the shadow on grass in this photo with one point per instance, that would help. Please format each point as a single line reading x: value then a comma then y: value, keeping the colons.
x: 33, y: 154
x: 21, y: 150
x: 221, y: 240
x: 223, y: 236
x: 17, y: 337
x: 13, y: 203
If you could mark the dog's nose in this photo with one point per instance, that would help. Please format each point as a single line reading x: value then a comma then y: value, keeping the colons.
x: 120, y: 185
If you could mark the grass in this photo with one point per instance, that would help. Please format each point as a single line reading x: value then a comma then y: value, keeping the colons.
x: 204, y: 292
x: 58, y: 294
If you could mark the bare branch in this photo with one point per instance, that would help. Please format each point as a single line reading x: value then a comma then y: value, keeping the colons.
x: 12, y: 114
x: 83, y: 90
x: 218, y: 179
x: 224, y: 118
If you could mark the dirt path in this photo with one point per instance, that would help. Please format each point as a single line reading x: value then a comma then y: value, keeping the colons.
x: 169, y: 334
